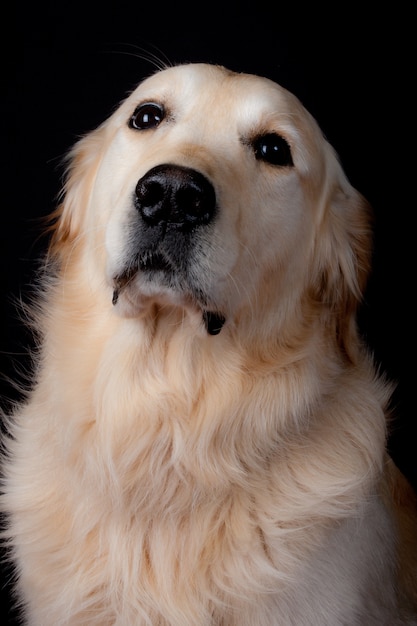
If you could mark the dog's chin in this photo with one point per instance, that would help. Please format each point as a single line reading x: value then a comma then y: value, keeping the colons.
x: 138, y: 296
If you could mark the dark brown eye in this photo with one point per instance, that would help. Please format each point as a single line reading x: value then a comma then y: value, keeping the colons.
x: 273, y: 149
x: 147, y: 115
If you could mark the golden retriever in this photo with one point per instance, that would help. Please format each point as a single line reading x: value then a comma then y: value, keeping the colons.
x: 204, y: 443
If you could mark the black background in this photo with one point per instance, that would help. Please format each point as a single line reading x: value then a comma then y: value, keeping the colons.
x: 67, y: 65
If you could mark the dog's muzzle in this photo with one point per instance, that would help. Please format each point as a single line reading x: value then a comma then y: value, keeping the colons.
x: 175, y: 196
x: 173, y: 202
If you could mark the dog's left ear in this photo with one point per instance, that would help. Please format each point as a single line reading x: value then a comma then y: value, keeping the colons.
x: 342, y: 260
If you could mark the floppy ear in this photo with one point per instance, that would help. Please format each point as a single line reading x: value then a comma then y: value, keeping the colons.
x: 343, y: 261
x: 66, y: 221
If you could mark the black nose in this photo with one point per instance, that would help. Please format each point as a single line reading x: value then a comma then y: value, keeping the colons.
x: 176, y: 195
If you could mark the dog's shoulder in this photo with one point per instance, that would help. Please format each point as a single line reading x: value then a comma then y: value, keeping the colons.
x: 400, y: 497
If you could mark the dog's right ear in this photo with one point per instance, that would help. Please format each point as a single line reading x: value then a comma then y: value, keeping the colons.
x: 82, y: 164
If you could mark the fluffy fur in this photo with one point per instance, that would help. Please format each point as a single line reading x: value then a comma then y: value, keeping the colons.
x: 204, y: 443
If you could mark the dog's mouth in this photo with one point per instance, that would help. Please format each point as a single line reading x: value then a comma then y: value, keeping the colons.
x: 159, y: 272
x: 213, y: 322
x: 156, y: 266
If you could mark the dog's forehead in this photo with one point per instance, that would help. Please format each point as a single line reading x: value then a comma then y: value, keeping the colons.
x: 218, y: 87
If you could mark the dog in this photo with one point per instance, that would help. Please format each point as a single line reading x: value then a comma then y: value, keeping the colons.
x: 204, y: 441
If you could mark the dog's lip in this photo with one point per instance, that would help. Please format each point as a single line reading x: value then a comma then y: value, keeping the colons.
x: 148, y: 262
x: 213, y: 320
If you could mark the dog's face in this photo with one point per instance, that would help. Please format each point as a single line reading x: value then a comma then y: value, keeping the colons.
x: 216, y: 192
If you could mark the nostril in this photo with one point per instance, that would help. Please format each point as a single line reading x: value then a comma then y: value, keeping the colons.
x: 195, y: 203
x: 150, y: 196
x: 175, y: 194
x: 149, y: 192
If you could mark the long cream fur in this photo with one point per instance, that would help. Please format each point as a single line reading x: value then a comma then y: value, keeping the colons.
x: 159, y: 474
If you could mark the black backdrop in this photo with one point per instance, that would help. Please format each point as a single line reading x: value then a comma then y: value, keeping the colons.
x: 67, y: 65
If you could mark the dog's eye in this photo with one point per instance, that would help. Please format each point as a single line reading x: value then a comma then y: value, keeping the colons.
x: 147, y: 115
x: 273, y: 149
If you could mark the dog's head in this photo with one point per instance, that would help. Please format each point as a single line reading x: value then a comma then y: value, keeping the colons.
x: 216, y: 192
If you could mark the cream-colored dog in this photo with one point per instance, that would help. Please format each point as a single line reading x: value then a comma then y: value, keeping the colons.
x: 204, y: 444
